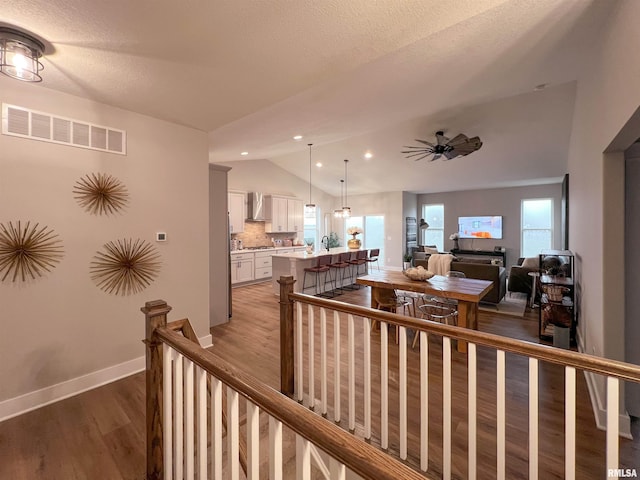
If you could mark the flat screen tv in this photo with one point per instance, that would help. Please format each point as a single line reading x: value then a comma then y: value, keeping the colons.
x: 480, y: 227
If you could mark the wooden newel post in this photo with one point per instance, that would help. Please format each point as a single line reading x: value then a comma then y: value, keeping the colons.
x: 155, y: 316
x: 286, y: 335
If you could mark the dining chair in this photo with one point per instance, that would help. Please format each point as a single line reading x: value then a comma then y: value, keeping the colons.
x: 438, y: 313
x: 391, y: 303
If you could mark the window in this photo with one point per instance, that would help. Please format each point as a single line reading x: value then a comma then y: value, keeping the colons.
x: 311, y: 227
x: 434, y: 235
x: 537, y: 226
x: 372, y: 235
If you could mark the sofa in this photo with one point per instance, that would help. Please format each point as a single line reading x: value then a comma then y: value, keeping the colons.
x: 480, y: 269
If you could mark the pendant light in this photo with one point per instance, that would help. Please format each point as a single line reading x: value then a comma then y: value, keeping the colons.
x: 346, y: 211
x: 20, y: 55
x: 338, y: 212
x: 310, y: 208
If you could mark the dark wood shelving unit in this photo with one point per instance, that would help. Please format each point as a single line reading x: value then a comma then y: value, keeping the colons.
x: 557, y: 294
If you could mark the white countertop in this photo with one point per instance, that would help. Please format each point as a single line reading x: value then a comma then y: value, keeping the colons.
x: 317, y: 253
x: 270, y: 249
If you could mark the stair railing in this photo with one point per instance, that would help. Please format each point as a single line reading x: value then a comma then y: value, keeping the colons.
x: 185, y: 428
x: 312, y: 374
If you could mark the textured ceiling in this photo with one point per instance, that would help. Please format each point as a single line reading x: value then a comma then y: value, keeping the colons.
x: 349, y: 75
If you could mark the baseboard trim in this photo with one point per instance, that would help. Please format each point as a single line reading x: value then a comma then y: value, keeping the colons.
x: 598, y: 405
x: 16, y: 406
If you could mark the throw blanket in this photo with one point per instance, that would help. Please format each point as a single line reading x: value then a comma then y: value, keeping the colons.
x: 440, y: 263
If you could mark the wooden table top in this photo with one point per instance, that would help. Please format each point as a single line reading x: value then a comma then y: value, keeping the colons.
x: 465, y: 289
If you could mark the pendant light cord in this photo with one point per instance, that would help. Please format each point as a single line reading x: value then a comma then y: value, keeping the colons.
x: 310, y: 145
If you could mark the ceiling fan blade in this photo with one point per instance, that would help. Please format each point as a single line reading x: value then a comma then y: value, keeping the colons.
x: 441, y: 139
x: 436, y: 157
x: 423, y: 156
x: 415, y: 154
x: 451, y: 154
x: 469, y: 146
x: 425, y: 142
x: 458, y: 140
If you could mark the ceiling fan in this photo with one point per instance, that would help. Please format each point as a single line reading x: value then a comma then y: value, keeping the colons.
x: 460, y: 145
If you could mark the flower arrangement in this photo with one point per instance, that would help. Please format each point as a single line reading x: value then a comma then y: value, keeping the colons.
x: 354, y: 230
x: 454, y: 236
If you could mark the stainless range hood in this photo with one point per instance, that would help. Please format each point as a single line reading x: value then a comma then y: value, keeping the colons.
x: 255, y: 206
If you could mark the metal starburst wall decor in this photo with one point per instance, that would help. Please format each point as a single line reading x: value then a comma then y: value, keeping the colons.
x: 27, y: 251
x: 100, y: 194
x: 125, y: 266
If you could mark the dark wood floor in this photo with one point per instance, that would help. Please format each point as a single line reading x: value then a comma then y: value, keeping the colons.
x: 100, y: 434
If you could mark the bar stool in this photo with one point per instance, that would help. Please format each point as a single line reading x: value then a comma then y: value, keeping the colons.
x: 374, y: 253
x: 342, y: 266
x: 437, y: 313
x: 321, y: 266
x: 360, y: 259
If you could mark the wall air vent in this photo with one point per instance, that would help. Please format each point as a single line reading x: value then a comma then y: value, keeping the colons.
x: 26, y: 123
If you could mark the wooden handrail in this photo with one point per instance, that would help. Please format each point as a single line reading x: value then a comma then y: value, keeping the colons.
x: 365, y: 460
x: 583, y: 361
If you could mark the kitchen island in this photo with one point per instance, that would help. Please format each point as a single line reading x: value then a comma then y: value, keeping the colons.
x: 295, y: 263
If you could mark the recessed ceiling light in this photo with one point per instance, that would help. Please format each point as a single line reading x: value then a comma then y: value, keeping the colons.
x: 298, y: 137
x: 318, y: 164
x: 368, y: 155
x: 244, y: 153
x: 542, y: 86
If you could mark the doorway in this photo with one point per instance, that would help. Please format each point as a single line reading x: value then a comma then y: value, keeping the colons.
x: 372, y: 232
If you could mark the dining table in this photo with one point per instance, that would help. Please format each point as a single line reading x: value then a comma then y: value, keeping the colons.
x: 467, y: 291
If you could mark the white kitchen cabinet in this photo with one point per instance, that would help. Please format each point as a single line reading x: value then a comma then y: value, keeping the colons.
x: 276, y: 214
x: 295, y: 215
x: 242, y: 267
x: 262, y: 265
x: 236, y: 212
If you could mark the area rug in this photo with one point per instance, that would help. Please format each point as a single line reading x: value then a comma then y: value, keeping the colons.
x: 513, y: 304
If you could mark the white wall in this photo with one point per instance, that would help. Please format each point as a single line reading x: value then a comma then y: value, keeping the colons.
x: 607, y: 97
x: 496, y: 201
x: 606, y: 100
x: 62, y: 326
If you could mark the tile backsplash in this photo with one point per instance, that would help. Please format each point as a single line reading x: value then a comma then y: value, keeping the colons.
x: 255, y: 236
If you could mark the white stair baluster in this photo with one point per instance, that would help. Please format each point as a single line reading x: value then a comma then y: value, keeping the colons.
x: 167, y: 410
x: 233, y: 434
x: 253, y: 441
x: 299, y: 351
x: 311, y: 353
x: 336, y: 366
x: 533, y: 418
x: 384, y: 386
x: 446, y: 408
x: 472, y: 370
x: 613, y: 408
x: 275, y: 449
x: 323, y: 361
x: 570, y: 423
x: 201, y: 422
x: 424, y: 401
x: 403, y: 392
x: 366, y: 330
x: 500, y: 415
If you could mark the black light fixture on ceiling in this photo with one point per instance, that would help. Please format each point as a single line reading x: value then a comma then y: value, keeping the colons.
x: 337, y: 213
x: 310, y: 208
x: 346, y: 211
x: 20, y: 54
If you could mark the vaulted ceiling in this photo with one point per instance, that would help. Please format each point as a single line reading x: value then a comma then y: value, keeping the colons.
x: 350, y: 76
